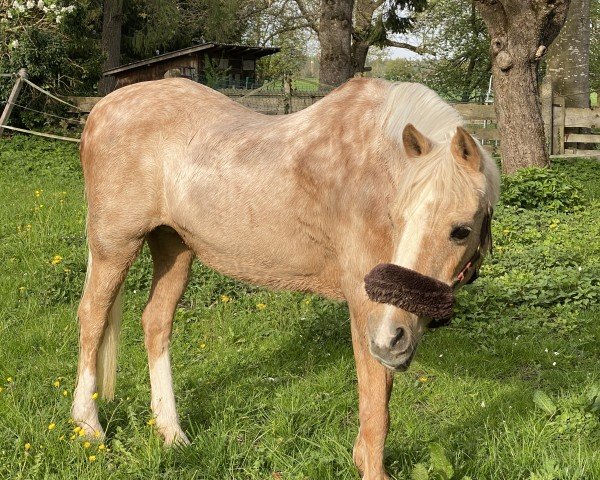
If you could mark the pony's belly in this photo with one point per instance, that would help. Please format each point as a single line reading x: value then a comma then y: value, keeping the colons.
x: 279, y: 263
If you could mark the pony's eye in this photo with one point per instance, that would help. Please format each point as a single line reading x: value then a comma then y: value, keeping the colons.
x: 460, y: 233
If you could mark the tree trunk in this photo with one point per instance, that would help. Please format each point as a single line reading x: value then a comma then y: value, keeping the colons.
x: 111, y: 42
x: 569, y: 57
x: 335, y: 31
x: 520, y: 33
x: 520, y: 124
x: 360, y: 48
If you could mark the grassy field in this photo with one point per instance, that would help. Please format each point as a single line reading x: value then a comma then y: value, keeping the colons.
x: 265, y: 381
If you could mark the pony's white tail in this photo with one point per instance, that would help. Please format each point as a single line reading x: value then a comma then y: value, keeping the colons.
x: 106, y: 360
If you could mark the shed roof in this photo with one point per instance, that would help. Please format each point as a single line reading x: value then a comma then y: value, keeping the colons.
x: 256, y: 52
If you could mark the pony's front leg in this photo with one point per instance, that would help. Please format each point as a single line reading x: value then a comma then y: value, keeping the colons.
x: 374, y: 388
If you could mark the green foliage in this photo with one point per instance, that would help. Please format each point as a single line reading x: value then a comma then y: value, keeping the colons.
x: 214, y: 76
x: 542, y: 188
x: 544, y: 402
x: 288, y: 61
x: 57, y: 42
x: 439, y: 468
x: 397, y: 17
x: 461, y: 68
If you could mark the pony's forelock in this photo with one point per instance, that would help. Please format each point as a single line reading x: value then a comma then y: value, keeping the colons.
x: 437, y: 171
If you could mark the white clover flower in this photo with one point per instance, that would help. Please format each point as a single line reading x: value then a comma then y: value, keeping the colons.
x: 53, y: 6
x: 45, y: 9
x: 71, y: 8
x: 14, y: 44
x: 16, y: 4
x: 9, y: 14
x: 30, y: 4
x: 58, y: 18
x: 40, y: 4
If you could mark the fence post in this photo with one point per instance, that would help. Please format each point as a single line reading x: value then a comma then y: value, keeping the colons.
x: 546, y: 94
x: 558, y: 125
x: 287, y: 94
x: 10, y: 103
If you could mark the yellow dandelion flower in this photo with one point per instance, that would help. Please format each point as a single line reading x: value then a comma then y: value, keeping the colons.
x: 62, y: 437
x: 27, y: 446
x: 52, y: 426
x: 81, y: 432
x: 41, y: 205
x: 38, y: 193
x: 261, y: 306
x: 65, y: 393
x: 203, y: 345
x: 94, y: 395
x: 9, y: 379
x: 307, y: 301
x: 56, y: 383
x: 225, y: 298
x: 22, y: 289
x: 151, y: 422
x: 92, y: 458
x: 506, y: 231
x: 87, y: 444
x: 77, y: 429
x: 74, y: 436
x: 56, y: 259
x: 423, y: 379
x: 101, y: 447
x: 97, y: 433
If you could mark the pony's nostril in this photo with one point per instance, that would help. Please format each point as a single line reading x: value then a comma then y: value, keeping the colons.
x: 399, y: 336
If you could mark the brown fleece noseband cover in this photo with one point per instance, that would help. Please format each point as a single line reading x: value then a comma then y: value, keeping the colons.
x: 411, y: 291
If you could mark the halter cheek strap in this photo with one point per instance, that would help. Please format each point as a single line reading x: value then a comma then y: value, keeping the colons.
x: 471, y: 270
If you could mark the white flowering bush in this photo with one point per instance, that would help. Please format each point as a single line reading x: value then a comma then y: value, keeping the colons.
x: 57, y: 41
x: 19, y: 15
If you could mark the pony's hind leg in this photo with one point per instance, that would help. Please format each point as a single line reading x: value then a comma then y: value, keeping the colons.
x: 172, y: 261
x: 105, y: 276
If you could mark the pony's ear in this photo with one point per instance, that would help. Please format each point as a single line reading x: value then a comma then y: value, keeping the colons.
x: 465, y: 150
x: 415, y: 143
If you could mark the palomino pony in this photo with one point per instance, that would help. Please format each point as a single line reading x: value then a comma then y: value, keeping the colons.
x: 373, y: 173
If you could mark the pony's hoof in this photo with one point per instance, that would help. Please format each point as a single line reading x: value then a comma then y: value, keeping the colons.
x: 90, y: 432
x: 174, y: 437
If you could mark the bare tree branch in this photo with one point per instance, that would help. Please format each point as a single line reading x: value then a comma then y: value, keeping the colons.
x: 309, y: 17
x: 421, y: 50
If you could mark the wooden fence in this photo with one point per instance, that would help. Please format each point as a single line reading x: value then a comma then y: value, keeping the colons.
x: 569, y: 131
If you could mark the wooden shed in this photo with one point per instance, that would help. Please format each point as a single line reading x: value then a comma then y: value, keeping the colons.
x: 216, y: 64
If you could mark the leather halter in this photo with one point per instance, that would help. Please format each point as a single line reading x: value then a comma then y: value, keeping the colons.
x: 471, y: 270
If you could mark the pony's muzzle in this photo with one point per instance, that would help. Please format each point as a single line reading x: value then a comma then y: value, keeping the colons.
x: 397, y: 353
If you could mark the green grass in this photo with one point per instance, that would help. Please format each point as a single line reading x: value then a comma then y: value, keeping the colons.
x: 268, y: 391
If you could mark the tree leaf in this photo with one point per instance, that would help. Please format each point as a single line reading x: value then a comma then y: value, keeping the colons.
x: 544, y: 402
x: 419, y: 472
x: 440, y: 463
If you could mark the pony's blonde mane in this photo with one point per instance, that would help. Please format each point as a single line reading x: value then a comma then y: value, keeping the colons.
x: 437, y: 171
x: 415, y: 103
